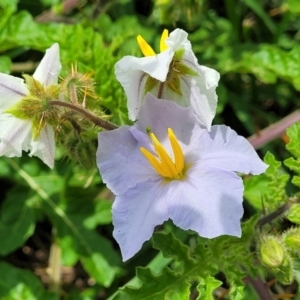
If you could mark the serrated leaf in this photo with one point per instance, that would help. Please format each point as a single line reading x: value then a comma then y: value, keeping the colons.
x: 156, y: 287
x: 293, y: 133
x: 294, y: 214
x: 277, y: 183
x: 172, y: 247
x: 16, y: 284
x: 206, y: 288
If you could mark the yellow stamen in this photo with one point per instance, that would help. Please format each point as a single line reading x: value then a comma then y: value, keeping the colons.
x: 145, y: 47
x: 164, y: 165
x: 162, y: 45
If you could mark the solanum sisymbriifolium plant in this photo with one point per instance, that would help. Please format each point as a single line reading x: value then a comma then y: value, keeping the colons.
x: 171, y: 163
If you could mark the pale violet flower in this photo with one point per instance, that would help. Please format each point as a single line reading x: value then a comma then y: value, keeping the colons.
x: 16, y: 133
x: 166, y: 166
x: 172, y: 74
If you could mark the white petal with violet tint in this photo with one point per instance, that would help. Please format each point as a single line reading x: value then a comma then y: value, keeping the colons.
x: 132, y: 72
x: 178, y: 40
x: 208, y: 201
x: 223, y: 148
x: 198, y: 91
x: 44, y: 146
x: 120, y: 161
x: 136, y: 213
x: 15, y: 135
x: 12, y: 89
x: 49, y: 68
x: 160, y: 114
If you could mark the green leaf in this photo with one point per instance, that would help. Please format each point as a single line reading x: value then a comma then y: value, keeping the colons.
x: 173, y: 247
x: 95, y: 252
x: 156, y: 287
x: 17, y: 221
x: 293, y: 147
x: 278, y: 180
x: 255, y: 186
x: 5, y: 64
x: 293, y: 6
x: 294, y: 214
x: 101, y: 216
x: 206, y: 288
x: 16, y: 284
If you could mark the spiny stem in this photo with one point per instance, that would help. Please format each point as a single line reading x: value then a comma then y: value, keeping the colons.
x: 277, y: 213
x: 95, y: 119
x: 160, y: 90
x: 274, y: 131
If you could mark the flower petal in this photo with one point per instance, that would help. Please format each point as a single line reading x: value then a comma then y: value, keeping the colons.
x: 208, y: 201
x: 159, y: 115
x: 223, y: 148
x: 49, y: 68
x: 131, y: 72
x: 120, y: 160
x: 136, y: 213
x: 199, y: 91
x: 44, y: 146
x: 15, y: 135
x: 12, y: 89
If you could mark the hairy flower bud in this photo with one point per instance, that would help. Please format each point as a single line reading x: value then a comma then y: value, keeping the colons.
x: 271, y: 251
x: 291, y: 239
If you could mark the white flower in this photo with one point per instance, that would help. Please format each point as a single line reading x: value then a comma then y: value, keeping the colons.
x: 173, y: 74
x: 15, y: 133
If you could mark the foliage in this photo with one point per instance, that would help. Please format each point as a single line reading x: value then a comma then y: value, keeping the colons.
x: 255, y: 45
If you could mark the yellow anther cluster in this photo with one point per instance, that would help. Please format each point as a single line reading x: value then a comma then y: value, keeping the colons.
x: 147, y: 49
x: 163, y: 164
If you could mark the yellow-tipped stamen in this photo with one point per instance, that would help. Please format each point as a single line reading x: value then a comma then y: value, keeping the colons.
x: 178, y: 155
x: 163, y: 164
x: 162, y: 45
x: 145, y: 47
x: 154, y: 162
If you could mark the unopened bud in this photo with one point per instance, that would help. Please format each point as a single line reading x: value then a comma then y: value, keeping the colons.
x: 271, y: 252
x: 291, y: 239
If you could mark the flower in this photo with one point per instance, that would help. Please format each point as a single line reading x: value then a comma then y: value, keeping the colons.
x: 17, y: 133
x: 174, y: 74
x: 167, y: 166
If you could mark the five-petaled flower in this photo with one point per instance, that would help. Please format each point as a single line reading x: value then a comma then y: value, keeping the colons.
x: 17, y: 133
x: 172, y: 74
x: 167, y: 166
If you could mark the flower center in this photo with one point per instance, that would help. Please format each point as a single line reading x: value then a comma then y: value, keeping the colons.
x: 147, y: 49
x: 164, y: 165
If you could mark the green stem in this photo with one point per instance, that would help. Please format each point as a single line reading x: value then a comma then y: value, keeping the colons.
x: 93, y: 118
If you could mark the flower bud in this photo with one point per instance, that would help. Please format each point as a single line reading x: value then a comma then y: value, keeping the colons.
x: 291, y: 239
x: 271, y: 251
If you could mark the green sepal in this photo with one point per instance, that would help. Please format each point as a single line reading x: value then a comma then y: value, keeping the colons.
x: 150, y: 84
x: 183, y: 69
x: 174, y: 85
x: 36, y: 106
x: 178, y: 54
